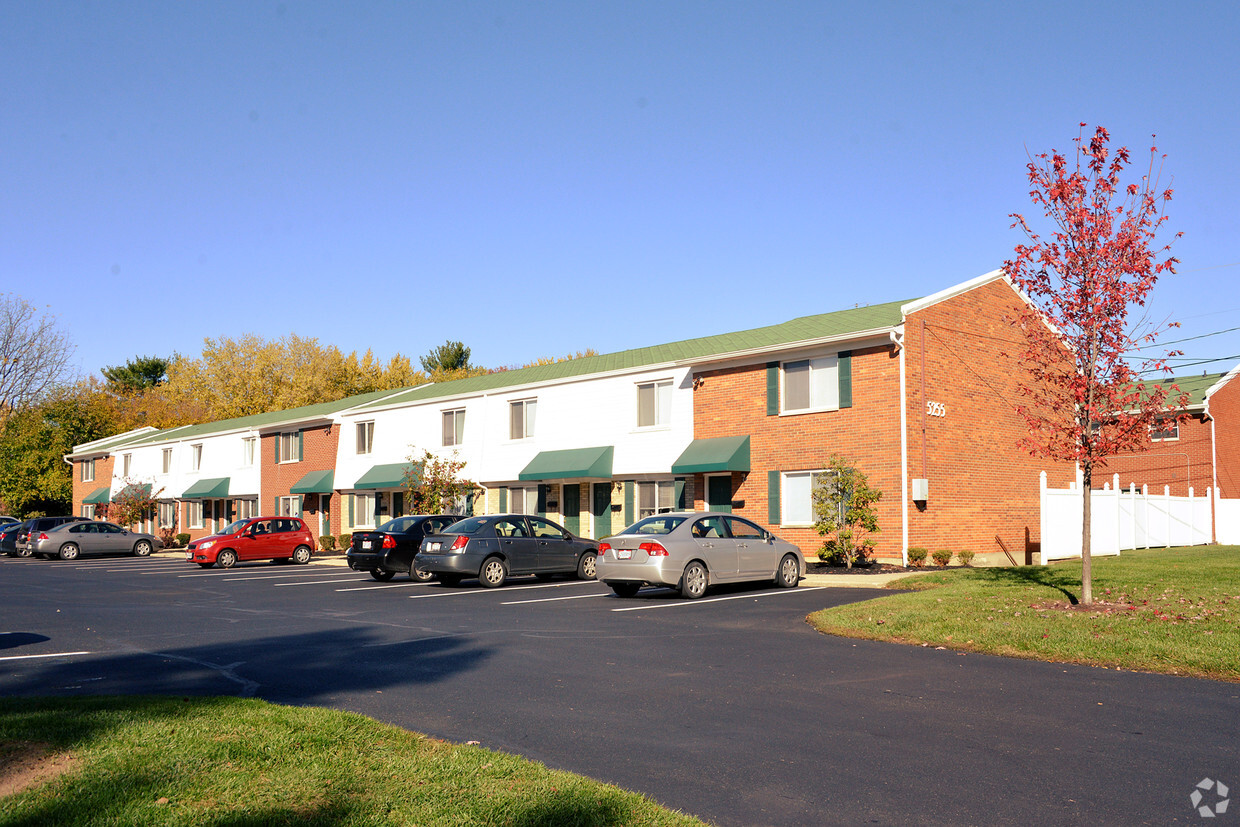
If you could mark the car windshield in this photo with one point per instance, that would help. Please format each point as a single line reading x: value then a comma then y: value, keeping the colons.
x: 233, y: 528
x: 470, y: 525
x: 661, y: 524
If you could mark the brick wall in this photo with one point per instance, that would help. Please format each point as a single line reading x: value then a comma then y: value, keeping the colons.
x: 319, y: 445
x: 1225, y: 411
x: 1178, y: 463
x: 82, y: 490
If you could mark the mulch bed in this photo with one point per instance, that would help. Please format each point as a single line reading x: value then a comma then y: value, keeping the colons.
x: 869, y: 568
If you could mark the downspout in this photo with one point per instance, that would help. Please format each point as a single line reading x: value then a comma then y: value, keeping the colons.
x: 903, y: 458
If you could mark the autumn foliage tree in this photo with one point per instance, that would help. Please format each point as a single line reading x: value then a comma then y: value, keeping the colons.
x: 1082, y: 397
x: 434, y: 484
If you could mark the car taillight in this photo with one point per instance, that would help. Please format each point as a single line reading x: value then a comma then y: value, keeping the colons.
x: 389, y: 541
x: 653, y: 549
x: 603, y: 548
x: 43, y: 535
x: 460, y: 543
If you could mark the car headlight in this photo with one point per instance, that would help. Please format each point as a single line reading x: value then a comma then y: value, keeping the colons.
x: 206, y: 545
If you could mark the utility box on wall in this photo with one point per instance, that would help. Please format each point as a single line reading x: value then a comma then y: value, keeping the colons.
x: 921, y: 490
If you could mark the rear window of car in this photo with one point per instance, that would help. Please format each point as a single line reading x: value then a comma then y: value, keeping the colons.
x: 398, y: 526
x: 470, y: 525
x: 661, y: 524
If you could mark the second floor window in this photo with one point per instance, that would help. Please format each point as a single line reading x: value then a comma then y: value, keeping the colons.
x: 288, y: 447
x: 126, y: 461
x: 654, y: 404
x: 247, y: 452
x: 167, y: 460
x: 811, y: 385
x: 521, y: 419
x: 453, y: 427
x: 88, y: 470
x: 1164, y: 429
x: 195, y: 454
x: 365, y: 437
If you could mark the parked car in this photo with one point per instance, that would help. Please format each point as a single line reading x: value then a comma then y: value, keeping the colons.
x: 68, y: 541
x: 8, y: 538
x: 494, y: 547
x: 6, y: 520
x: 33, y: 527
x: 282, y: 539
x: 392, y: 547
x: 691, y: 551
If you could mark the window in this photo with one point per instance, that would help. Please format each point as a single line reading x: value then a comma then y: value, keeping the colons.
x: 290, y: 506
x: 654, y: 404
x: 247, y: 452
x: 1165, y: 430
x: 195, y: 457
x: 655, y: 498
x: 521, y: 419
x: 811, y: 385
x: 797, y: 497
x: 167, y: 460
x: 523, y: 500
x: 195, y: 513
x: 246, y: 509
x: 288, y: 447
x: 545, y: 530
x: 88, y: 511
x: 365, y: 437
x: 453, y: 427
x: 363, y: 509
x: 88, y: 470
x: 167, y: 515
x: 126, y: 461
x: 744, y: 530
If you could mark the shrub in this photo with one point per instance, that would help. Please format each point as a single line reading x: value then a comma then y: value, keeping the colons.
x: 168, y: 537
x: 182, y: 540
x: 942, y: 556
x: 345, y: 540
x: 917, y: 556
x: 964, y: 556
x: 831, y: 554
x: 327, y: 542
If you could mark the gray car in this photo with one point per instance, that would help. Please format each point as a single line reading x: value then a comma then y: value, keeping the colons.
x: 71, y: 540
x: 690, y: 551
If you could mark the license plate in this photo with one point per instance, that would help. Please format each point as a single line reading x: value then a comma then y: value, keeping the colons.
x: 624, y: 554
x: 365, y: 544
x: 432, y: 546
x: 189, y: 555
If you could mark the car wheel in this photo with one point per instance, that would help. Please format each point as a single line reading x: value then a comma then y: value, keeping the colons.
x: 382, y: 575
x: 421, y: 575
x: 693, y: 581
x: 301, y: 555
x: 142, y: 548
x: 226, y: 559
x: 24, y: 552
x: 450, y: 579
x: 789, y: 572
x: 625, y: 589
x: 69, y: 551
x: 586, y: 566
x: 493, y: 573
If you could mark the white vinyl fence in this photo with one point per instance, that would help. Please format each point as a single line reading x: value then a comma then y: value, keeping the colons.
x: 1132, y: 519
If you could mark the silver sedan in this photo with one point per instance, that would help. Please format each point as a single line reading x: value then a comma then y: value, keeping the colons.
x: 693, y: 550
x: 69, y: 541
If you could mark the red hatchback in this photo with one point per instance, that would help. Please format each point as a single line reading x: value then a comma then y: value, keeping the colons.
x: 282, y: 539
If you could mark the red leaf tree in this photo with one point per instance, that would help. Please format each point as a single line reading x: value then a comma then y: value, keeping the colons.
x: 1082, y: 396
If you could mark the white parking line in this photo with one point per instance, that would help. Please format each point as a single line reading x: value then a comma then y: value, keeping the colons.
x: 552, y: 599
x: 53, y: 655
x: 386, y: 586
x: 717, y: 599
x: 318, y: 582
x: 506, y: 589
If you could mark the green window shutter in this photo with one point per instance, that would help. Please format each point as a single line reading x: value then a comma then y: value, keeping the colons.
x: 678, y: 495
x: 542, y: 500
x: 772, y: 388
x: 845, y: 370
x: 276, y: 509
x: 300, y: 446
x: 628, y: 502
x: 772, y: 498
x: 276, y: 440
x: 503, y: 501
x: 301, y: 504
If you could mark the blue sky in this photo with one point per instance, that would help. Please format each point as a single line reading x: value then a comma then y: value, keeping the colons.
x: 535, y: 179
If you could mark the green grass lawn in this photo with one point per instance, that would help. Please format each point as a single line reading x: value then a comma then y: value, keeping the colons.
x: 238, y: 762
x: 1168, y: 610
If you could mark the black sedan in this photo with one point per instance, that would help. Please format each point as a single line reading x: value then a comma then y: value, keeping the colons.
x: 493, y: 547
x: 391, y: 547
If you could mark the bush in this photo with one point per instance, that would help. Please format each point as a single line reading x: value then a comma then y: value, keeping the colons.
x: 832, y: 555
x: 168, y: 537
x: 964, y: 556
x: 327, y: 542
x: 942, y: 556
x: 345, y: 540
x: 182, y: 540
x: 917, y: 556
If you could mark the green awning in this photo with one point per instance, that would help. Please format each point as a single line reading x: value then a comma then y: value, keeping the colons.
x: 574, y: 463
x: 99, y: 495
x: 384, y: 476
x: 725, y: 453
x: 140, y: 490
x: 212, y: 489
x: 316, y: 482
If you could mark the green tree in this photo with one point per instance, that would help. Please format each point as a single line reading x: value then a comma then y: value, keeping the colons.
x: 450, y: 357
x: 844, y: 507
x: 434, y: 485
x: 139, y: 374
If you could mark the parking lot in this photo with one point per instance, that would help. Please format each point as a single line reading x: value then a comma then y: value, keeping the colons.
x: 729, y: 707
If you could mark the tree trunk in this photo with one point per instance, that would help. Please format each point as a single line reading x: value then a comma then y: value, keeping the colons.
x: 1087, y: 572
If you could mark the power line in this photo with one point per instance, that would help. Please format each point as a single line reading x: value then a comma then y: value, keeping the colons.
x: 1189, y: 339
x: 1190, y: 364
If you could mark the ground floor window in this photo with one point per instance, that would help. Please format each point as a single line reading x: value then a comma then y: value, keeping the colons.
x: 797, y: 497
x: 362, y: 510
x: 655, y: 498
x: 523, y: 500
x: 195, y: 513
x: 290, y: 506
x: 246, y: 509
x: 88, y: 511
x: 167, y: 515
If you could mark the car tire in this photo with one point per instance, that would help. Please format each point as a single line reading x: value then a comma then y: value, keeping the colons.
x: 493, y: 573
x: 625, y: 589
x: 301, y: 555
x: 693, y: 581
x: 23, y: 552
x: 450, y: 579
x: 789, y: 573
x: 421, y: 575
x: 587, y: 566
x: 69, y: 551
x: 382, y: 575
x: 226, y: 559
x: 142, y: 548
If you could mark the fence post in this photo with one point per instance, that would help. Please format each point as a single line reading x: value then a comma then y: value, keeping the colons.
x: 1042, y: 537
x: 1167, y: 508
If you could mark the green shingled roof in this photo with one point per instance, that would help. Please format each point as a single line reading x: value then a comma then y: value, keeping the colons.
x: 839, y: 323
x: 1195, y: 386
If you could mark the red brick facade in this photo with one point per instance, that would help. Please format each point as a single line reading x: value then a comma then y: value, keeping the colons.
x: 1178, y: 463
x: 318, y: 453
x: 82, y: 490
x: 1225, y: 415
